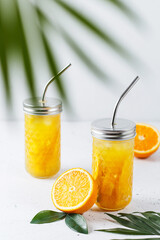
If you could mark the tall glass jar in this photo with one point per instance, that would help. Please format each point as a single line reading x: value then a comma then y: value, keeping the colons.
x: 112, y: 162
x: 42, y: 136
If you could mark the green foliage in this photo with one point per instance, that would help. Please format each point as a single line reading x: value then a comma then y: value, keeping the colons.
x: 77, y: 223
x: 139, y: 239
x: 47, y: 216
x: 14, y: 38
x: 138, y: 223
x: 74, y: 221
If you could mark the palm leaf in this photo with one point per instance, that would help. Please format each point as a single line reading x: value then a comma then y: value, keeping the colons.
x: 124, y: 222
x: 84, y: 57
x: 25, y: 52
x: 50, y: 55
x: 96, y: 30
x: 15, y: 38
x: 139, y: 239
x: 153, y: 217
x: 43, y: 18
x: 148, y: 225
x: 76, y: 48
x: 53, y: 67
x: 139, y: 223
x: 122, y: 231
x: 126, y: 10
x: 4, y: 60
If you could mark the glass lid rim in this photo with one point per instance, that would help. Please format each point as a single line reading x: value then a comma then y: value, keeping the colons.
x: 108, y: 133
x: 26, y: 102
x: 93, y: 124
x: 53, y: 106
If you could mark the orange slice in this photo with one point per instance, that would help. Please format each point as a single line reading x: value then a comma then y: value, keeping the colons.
x: 147, y: 140
x: 75, y: 191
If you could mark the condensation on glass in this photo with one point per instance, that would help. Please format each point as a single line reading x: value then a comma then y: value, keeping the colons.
x: 112, y: 162
x: 42, y: 136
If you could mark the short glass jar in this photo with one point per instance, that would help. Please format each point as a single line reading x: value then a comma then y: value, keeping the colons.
x: 112, y: 162
x: 42, y: 136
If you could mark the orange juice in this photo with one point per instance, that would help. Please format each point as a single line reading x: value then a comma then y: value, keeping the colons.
x: 42, y: 140
x: 112, y: 168
x: 112, y: 163
x: 42, y: 143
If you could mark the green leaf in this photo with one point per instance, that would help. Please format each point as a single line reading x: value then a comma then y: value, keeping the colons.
x: 126, y: 10
x: 124, y: 222
x: 137, y: 223
x: 52, y: 63
x: 47, y: 216
x: 121, y: 231
x: 77, y: 49
x: 43, y: 18
x: 156, y: 215
x: 144, y: 222
x: 139, y: 239
x: 25, y: 52
x: 14, y: 42
x: 96, y: 30
x: 154, y: 218
x: 84, y: 57
x: 49, y: 53
x: 77, y: 223
x: 4, y: 60
x: 53, y: 67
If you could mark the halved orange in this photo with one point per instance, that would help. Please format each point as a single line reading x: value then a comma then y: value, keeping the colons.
x: 75, y: 191
x: 147, y: 140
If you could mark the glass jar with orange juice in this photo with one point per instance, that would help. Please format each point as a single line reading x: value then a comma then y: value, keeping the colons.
x: 42, y: 136
x: 112, y: 162
x: 112, y: 158
x: 42, y: 133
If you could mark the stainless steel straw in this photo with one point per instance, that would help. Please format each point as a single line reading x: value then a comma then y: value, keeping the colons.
x: 51, y: 80
x: 121, y: 98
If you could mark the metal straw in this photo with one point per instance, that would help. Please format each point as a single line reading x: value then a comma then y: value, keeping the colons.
x: 52, y: 79
x: 121, y: 97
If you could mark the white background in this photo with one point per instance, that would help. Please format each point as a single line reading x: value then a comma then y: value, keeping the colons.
x: 90, y: 98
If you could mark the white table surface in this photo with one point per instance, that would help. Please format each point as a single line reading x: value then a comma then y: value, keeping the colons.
x: 22, y: 196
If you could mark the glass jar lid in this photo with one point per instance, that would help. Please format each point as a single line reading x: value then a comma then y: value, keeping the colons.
x: 36, y: 106
x: 123, y: 129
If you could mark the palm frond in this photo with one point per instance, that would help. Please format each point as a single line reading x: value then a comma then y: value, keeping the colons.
x: 25, y: 52
x: 127, y: 11
x: 16, y: 38
x: 153, y: 217
x: 139, y: 239
x: 48, y: 50
x: 140, y: 223
x: 84, y: 57
x: 4, y: 61
x: 122, y: 231
x: 96, y: 30
x: 148, y: 225
x: 76, y: 48
x: 124, y: 222
x: 53, y: 66
x: 42, y: 17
